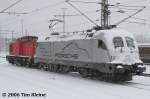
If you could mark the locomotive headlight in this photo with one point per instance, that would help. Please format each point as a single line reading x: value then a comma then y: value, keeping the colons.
x: 120, y: 69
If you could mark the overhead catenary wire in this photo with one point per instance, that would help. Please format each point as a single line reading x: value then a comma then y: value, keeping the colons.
x: 84, y: 2
x: 135, y: 17
x: 124, y: 11
x: 131, y: 15
x: 35, y: 10
x: 58, y: 3
x: 131, y: 6
x: 135, y: 22
x: 44, y: 21
x: 81, y: 13
x: 127, y: 8
x: 46, y: 7
x: 51, y: 6
x: 87, y: 12
x: 39, y: 21
x: 139, y: 19
x: 11, y: 6
x: 15, y: 13
x: 38, y: 10
x: 82, y: 23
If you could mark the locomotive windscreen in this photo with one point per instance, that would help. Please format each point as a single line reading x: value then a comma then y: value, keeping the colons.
x: 118, y: 42
x: 130, y: 42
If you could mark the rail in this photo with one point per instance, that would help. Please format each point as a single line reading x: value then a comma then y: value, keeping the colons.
x: 145, y: 74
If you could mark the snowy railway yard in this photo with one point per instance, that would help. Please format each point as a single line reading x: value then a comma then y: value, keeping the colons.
x: 95, y: 43
x: 47, y: 85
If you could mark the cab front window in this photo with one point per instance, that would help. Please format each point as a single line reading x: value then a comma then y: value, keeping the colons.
x: 130, y: 42
x: 118, y: 42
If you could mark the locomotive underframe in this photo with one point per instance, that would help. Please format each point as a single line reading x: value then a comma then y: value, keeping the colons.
x: 105, y: 71
x: 20, y: 60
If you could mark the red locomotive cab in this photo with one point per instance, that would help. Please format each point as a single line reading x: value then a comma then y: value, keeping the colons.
x: 22, y: 51
x: 15, y: 48
x: 29, y: 46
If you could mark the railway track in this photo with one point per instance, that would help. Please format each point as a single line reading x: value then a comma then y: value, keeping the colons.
x: 136, y: 85
x: 140, y: 86
x: 145, y: 74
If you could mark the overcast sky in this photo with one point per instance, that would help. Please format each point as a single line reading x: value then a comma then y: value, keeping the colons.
x: 40, y: 11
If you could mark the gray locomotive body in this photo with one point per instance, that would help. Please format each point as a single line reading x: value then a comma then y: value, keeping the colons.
x: 109, y: 54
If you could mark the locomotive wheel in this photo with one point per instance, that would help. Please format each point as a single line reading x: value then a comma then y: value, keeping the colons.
x: 40, y: 66
x: 63, y: 69
x: 94, y: 73
x: 43, y: 67
x: 50, y: 67
x: 60, y: 69
x: 84, y: 72
x: 53, y: 68
x: 16, y: 63
x: 11, y: 61
x: 66, y: 69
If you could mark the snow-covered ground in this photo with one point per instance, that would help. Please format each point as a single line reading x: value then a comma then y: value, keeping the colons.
x: 15, y: 79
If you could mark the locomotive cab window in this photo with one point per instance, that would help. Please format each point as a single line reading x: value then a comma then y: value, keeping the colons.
x: 130, y: 42
x: 101, y: 44
x: 118, y: 42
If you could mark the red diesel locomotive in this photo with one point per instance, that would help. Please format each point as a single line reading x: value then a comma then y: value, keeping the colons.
x: 22, y: 51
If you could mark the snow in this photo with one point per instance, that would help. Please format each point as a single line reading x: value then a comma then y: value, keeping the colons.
x: 2, y: 55
x: 15, y: 79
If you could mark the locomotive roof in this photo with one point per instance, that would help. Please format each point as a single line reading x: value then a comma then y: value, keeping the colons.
x: 89, y: 35
x: 27, y: 38
x: 116, y: 32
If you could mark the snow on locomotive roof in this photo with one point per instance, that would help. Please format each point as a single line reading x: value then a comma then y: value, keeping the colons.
x: 115, y: 32
x: 87, y: 35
